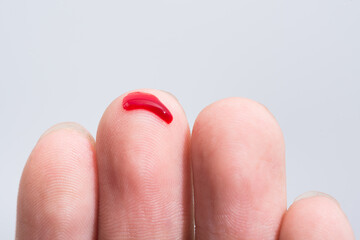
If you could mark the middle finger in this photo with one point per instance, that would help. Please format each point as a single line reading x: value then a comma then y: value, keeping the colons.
x: 144, y: 172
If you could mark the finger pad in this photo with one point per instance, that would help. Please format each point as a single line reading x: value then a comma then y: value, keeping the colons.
x: 315, y: 218
x: 58, y: 189
x: 239, y: 170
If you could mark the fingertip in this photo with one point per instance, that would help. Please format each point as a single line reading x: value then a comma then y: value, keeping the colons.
x: 69, y: 126
x: 143, y: 162
x: 238, y: 161
x: 311, y: 194
x: 58, y: 188
x: 239, y: 111
x: 116, y: 108
x: 316, y: 215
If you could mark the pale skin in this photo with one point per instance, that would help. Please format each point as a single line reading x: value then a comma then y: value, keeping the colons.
x: 135, y: 181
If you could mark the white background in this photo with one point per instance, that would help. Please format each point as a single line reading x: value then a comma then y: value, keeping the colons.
x: 66, y: 60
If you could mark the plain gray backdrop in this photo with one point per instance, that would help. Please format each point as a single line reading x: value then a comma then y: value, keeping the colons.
x: 66, y: 60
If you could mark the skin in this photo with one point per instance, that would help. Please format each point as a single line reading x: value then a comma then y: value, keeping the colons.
x: 145, y: 179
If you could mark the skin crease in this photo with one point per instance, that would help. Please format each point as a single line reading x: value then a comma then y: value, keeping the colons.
x: 147, y: 179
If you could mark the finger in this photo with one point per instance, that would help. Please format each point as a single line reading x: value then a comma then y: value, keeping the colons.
x: 239, y: 171
x: 315, y: 216
x: 144, y: 171
x: 58, y: 189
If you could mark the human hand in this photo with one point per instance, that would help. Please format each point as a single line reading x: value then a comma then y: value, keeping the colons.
x: 135, y: 181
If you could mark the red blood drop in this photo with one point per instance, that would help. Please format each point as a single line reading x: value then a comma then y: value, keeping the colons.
x: 147, y: 101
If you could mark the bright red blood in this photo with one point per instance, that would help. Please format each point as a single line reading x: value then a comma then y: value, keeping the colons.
x: 147, y: 101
